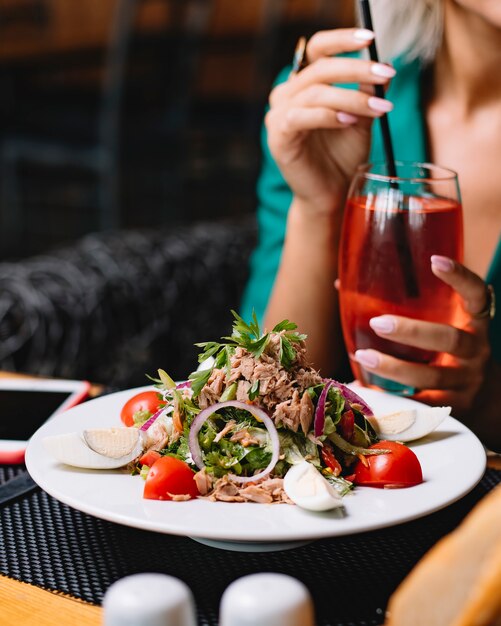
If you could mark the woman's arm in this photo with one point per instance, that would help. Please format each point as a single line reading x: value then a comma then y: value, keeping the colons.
x: 304, y: 288
x: 318, y: 134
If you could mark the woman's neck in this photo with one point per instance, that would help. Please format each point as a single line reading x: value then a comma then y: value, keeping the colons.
x: 466, y: 69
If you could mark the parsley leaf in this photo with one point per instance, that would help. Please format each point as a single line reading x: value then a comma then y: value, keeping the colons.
x: 250, y: 337
x: 199, y: 380
x: 254, y: 390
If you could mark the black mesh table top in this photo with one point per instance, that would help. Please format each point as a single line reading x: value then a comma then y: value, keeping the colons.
x: 48, y: 544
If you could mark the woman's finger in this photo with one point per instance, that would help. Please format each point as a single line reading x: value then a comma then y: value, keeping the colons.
x: 469, y: 285
x: 337, y: 70
x: 426, y: 335
x: 332, y: 71
x: 298, y: 119
x: 349, y: 100
x: 414, y: 374
x: 327, y: 43
x: 323, y: 107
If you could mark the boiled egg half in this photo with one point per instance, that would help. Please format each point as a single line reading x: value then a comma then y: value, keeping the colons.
x: 109, y: 448
x: 408, y: 425
x: 307, y: 488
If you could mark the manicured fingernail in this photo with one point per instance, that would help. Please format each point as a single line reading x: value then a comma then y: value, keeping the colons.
x: 442, y: 263
x: 383, y: 324
x: 367, y: 358
x: 380, y: 69
x: 380, y: 104
x: 363, y: 34
x: 346, y: 118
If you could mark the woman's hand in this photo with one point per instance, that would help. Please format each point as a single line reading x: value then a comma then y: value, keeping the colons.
x: 462, y: 380
x: 319, y: 133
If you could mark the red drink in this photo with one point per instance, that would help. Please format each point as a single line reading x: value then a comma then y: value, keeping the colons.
x: 385, y: 268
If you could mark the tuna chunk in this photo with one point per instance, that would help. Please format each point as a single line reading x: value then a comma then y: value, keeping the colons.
x: 288, y: 413
x: 306, y: 413
x: 225, y: 491
x: 281, y: 391
x: 254, y: 493
x: 203, y: 482
x: 243, y: 387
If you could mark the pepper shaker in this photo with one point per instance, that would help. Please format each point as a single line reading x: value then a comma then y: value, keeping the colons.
x: 149, y: 600
x: 266, y: 599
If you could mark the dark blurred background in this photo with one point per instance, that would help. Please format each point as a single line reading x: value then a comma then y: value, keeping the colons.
x: 133, y: 113
x: 129, y: 153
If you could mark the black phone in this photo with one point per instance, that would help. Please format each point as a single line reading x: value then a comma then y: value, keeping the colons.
x: 26, y: 404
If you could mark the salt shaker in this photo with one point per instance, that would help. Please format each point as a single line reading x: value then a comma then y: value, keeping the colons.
x: 266, y: 600
x: 149, y: 600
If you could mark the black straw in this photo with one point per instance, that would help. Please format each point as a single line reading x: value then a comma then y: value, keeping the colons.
x: 401, y: 239
x: 365, y: 11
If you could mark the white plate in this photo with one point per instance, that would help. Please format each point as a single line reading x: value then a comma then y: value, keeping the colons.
x: 452, y: 458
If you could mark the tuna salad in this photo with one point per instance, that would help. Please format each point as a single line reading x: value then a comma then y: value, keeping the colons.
x: 254, y: 410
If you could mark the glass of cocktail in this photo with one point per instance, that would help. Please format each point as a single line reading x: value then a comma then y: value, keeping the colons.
x: 392, y: 225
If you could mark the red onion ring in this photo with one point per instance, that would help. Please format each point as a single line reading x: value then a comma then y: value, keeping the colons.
x: 319, y: 421
x: 185, y: 384
x: 258, y: 413
x: 152, y: 419
x: 351, y: 397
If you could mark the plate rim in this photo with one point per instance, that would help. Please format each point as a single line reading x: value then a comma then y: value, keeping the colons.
x: 228, y: 533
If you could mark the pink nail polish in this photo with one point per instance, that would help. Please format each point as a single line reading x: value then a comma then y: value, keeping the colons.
x: 442, y: 263
x: 346, y: 118
x: 380, y: 69
x: 367, y: 358
x: 363, y: 34
x: 380, y: 105
x: 383, y: 324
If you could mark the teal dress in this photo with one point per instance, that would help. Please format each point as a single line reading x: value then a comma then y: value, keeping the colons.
x: 274, y: 195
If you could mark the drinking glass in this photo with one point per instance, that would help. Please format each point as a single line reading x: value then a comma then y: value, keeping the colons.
x: 391, y: 227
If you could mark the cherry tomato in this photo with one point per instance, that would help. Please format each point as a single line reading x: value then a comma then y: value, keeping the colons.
x: 170, y: 476
x: 398, y: 468
x: 147, y: 401
x: 149, y: 457
x: 328, y: 457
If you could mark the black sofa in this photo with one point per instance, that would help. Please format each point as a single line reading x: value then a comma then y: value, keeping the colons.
x: 116, y: 306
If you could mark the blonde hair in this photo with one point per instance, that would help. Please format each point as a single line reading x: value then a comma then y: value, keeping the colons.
x: 412, y: 28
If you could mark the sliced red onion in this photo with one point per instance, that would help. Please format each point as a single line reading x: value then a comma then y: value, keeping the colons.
x: 259, y: 414
x: 152, y: 419
x: 319, y: 421
x: 184, y: 384
x: 352, y: 397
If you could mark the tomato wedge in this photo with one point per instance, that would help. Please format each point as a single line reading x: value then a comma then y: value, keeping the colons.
x: 399, y: 468
x: 149, y: 458
x: 146, y: 402
x: 169, y: 476
x: 347, y: 425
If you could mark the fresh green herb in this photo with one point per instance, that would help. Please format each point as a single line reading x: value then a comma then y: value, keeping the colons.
x: 348, y: 448
x: 341, y: 485
x: 363, y: 423
x: 199, y: 380
x: 140, y: 417
x: 230, y: 393
x: 254, y: 390
x: 250, y: 337
x: 257, y: 458
x: 297, y: 448
x: 164, y: 381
